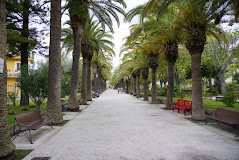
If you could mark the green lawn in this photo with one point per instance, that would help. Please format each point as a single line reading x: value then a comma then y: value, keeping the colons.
x: 212, y: 104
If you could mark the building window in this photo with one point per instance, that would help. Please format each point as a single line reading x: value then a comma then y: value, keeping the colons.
x: 18, y: 66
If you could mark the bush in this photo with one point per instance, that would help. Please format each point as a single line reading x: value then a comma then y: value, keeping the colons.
x: 11, y: 112
x: 32, y: 106
x: 165, y: 89
x: 35, y: 84
x: 229, y: 98
x: 24, y: 108
x: 181, y: 94
x: 12, y: 96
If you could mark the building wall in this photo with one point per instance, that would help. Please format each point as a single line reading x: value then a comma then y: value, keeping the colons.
x: 13, y: 72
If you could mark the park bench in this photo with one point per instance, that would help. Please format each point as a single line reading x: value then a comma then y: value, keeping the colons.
x: 226, y: 116
x: 30, y: 121
x: 184, y: 105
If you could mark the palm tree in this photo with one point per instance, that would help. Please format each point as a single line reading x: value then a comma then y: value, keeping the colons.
x: 54, y: 73
x: 94, y: 41
x: 79, y: 13
x: 197, y: 19
x: 6, y: 147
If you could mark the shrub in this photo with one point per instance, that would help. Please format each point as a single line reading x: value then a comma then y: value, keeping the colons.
x: 35, y: 84
x: 229, y: 98
x: 32, y: 106
x: 165, y: 88
x: 11, y: 112
x: 24, y: 108
x: 12, y: 96
x: 181, y: 94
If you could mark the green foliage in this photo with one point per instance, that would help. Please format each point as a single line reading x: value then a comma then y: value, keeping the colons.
x: 24, y: 108
x: 79, y: 9
x: 11, y: 112
x: 236, y: 78
x: 35, y: 84
x: 12, y: 96
x: 65, y: 85
x: 165, y: 89
x: 229, y: 98
x: 181, y: 94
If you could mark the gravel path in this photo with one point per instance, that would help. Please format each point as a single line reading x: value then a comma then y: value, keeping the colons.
x: 119, y: 126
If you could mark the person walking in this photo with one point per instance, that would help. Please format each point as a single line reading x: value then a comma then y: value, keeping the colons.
x: 121, y: 90
x: 118, y: 90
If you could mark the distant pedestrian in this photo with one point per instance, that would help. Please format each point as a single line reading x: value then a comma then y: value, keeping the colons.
x: 121, y: 89
x: 118, y: 90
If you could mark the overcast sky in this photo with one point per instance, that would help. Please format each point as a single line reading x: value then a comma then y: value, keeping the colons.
x: 123, y: 30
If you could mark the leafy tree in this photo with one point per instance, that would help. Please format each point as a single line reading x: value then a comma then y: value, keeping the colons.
x: 22, y: 38
x: 222, y: 53
x: 36, y: 85
x: 6, y: 145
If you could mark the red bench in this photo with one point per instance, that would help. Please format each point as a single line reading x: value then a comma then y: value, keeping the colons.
x: 184, y: 105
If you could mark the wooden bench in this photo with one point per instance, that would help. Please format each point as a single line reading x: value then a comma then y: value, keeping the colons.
x: 184, y: 105
x: 30, y: 121
x: 226, y: 116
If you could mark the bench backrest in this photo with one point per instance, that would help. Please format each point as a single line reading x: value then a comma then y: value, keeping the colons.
x: 29, y: 118
x: 181, y: 102
x: 188, y: 104
x: 227, y: 114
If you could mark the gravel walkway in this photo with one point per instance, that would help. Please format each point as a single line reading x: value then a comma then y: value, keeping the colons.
x: 120, y: 126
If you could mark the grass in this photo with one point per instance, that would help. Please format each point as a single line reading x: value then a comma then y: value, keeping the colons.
x: 17, y: 155
x: 212, y: 104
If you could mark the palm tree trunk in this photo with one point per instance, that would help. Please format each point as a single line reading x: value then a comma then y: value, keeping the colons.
x: 6, y: 145
x: 89, y: 98
x: 169, y: 100
x: 134, y: 86
x: 84, y: 82
x: 146, y: 97
x: 154, y: 93
x: 197, y: 104
x: 54, y: 74
x: 137, y: 83
x: 95, y: 83
x: 73, y: 100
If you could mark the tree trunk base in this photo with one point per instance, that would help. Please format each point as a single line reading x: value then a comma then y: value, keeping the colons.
x: 200, y: 116
x: 89, y: 99
x: 5, y: 151
x: 73, y: 109
x: 154, y: 102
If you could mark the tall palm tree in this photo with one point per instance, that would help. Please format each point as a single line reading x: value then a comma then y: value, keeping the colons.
x: 54, y: 73
x: 79, y: 13
x: 6, y: 145
x: 94, y: 41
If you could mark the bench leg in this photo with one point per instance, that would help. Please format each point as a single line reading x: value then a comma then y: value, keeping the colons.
x: 50, y: 125
x: 173, y: 108
x: 237, y: 130
x: 184, y: 111
x: 206, y: 121
x: 178, y: 110
x: 191, y: 111
x: 29, y: 136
